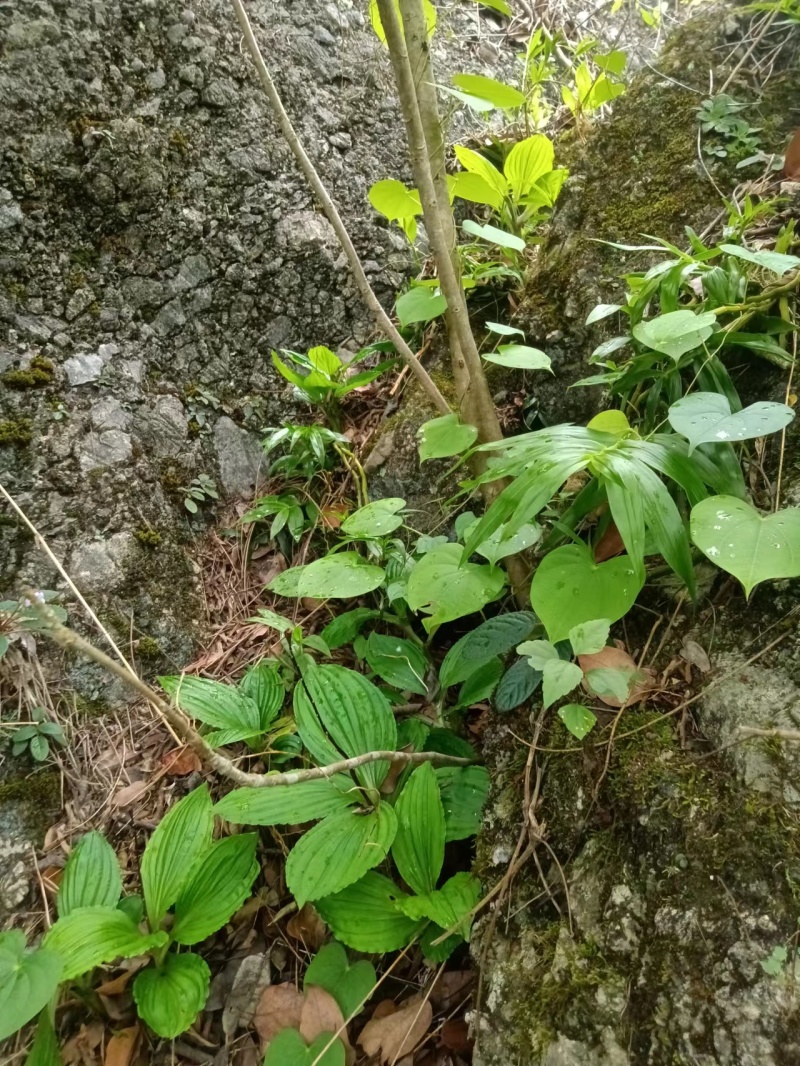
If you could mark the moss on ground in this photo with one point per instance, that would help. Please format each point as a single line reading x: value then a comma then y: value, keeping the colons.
x: 16, y: 432
x: 38, y: 793
x: 38, y: 375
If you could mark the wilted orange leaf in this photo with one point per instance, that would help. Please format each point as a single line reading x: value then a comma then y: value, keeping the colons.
x: 398, y: 1034
x: 121, y: 1047
x: 181, y: 761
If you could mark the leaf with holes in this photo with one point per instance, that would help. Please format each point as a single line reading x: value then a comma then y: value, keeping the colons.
x: 706, y: 418
x: 365, y: 916
x: 91, y: 877
x: 439, y: 438
x: 170, y: 997
x: 751, y: 546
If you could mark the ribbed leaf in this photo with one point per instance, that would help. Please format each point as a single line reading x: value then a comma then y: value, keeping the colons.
x: 218, y: 885
x: 182, y: 835
x: 418, y: 848
x: 94, y: 935
x: 214, y: 703
x: 28, y: 979
x: 310, y: 731
x: 400, y: 663
x: 449, y: 906
x: 288, y: 804
x: 91, y: 876
x: 495, y: 636
x: 169, y: 998
x: 45, y: 1046
x: 355, y: 714
x: 365, y: 915
x: 344, y: 628
x: 627, y: 512
x: 262, y: 685
x: 464, y: 791
x: 665, y: 524
x: 338, y: 851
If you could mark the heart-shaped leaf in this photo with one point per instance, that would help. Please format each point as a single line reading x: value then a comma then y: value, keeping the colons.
x: 676, y: 333
x: 28, y: 979
x: 439, y: 438
x: 751, y: 546
x: 775, y: 261
x: 569, y: 588
x: 350, y: 984
x: 339, y: 576
x: 420, y: 304
x: 376, y: 519
x: 170, y: 998
x: 706, y: 418
x: 578, y: 719
x: 558, y: 678
x: 289, y: 1049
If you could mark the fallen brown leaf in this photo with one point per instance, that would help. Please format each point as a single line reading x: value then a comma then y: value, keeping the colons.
x: 791, y: 161
x: 129, y: 794
x: 611, y: 658
x: 454, y: 1035
x: 398, y: 1034
x: 251, y: 981
x: 307, y: 926
x: 320, y: 1014
x: 83, y: 1048
x: 121, y: 1047
x: 280, y: 1007
x: 609, y: 545
x: 181, y: 761
x: 695, y: 654
x: 451, y: 987
x: 384, y: 1009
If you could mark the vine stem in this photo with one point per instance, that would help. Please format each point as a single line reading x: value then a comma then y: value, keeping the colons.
x: 71, y: 641
x: 332, y: 214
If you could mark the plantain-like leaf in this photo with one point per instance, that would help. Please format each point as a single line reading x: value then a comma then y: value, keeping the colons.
x: 170, y: 997
x: 418, y: 848
x: 182, y: 835
x: 338, y: 851
x: 218, y: 885
x: 262, y: 684
x: 344, y: 628
x: 310, y: 730
x: 399, y: 662
x: 91, y: 876
x: 464, y: 791
x: 216, y: 704
x: 450, y: 906
x: 355, y: 714
x: 93, y: 935
x: 306, y: 801
x: 28, y: 980
x: 366, y: 917
x: 44, y: 1051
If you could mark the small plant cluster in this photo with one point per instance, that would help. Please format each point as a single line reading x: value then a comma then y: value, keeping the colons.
x: 20, y: 617
x: 36, y: 736
x: 720, y: 116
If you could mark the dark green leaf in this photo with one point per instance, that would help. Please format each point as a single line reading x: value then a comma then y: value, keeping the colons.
x: 345, y: 627
x: 481, y: 684
x: 518, y: 684
x: 262, y: 685
x: 495, y: 636
x: 288, y: 804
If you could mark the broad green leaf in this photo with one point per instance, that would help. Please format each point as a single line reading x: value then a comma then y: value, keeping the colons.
x: 493, y: 235
x: 464, y: 790
x: 399, y: 662
x: 528, y: 161
x: 306, y: 801
x: 742, y: 542
x: 610, y: 681
x: 91, y: 876
x: 496, y: 92
x: 132, y: 907
x: 343, y: 575
x: 706, y: 418
x: 170, y: 997
x: 775, y: 261
x: 476, y: 188
x: 365, y: 915
x: 443, y: 587
x: 588, y: 638
x: 579, y: 720
x: 480, y: 684
x: 219, y: 883
x: 495, y: 636
x: 503, y: 329
x: 345, y: 627
x: 499, y: 546
x: 558, y: 678
x: 569, y: 587
x: 610, y: 422
x: 497, y: 5
x: 181, y: 836
x: 350, y: 983
x: 337, y: 851
x: 519, y: 356
x: 288, y: 1048
x: 262, y: 684
x: 44, y: 1051
x: 478, y: 164
x: 518, y: 684
x: 442, y: 437
x: 355, y: 714
x: 94, y: 935
x: 475, y: 102
x: 272, y: 619
x: 601, y: 311
x: 324, y: 360
x: 310, y: 730
x: 538, y: 652
x: 374, y: 16
x: 214, y: 703
x: 418, y: 848
x: 677, y: 332
x: 28, y: 980
x: 433, y: 952
x: 394, y: 200
x: 420, y: 304
x: 375, y: 519
x: 450, y: 906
